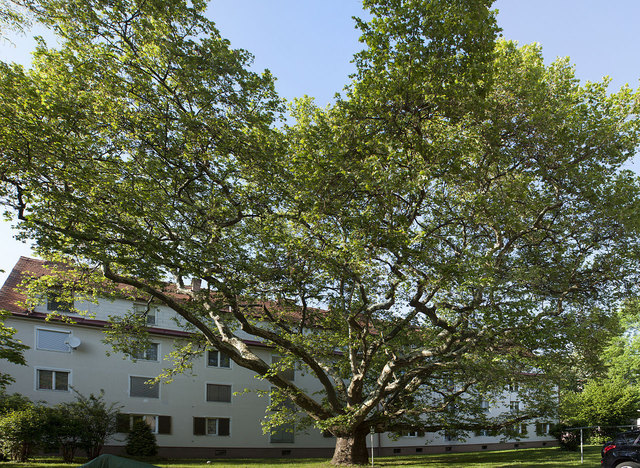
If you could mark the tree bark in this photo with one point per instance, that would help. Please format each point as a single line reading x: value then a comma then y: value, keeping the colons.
x: 351, y: 450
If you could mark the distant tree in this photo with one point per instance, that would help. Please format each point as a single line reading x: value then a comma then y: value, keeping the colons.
x: 141, y: 441
x: 622, y: 355
x: 11, y: 350
x: 603, y: 402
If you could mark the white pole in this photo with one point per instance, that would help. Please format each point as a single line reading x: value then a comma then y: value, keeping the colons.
x: 581, y: 448
x: 372, y: 446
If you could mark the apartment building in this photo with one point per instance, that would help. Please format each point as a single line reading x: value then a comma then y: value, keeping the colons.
x: 213, y: 411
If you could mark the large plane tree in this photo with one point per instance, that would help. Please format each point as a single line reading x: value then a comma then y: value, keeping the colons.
x: 457, y: 221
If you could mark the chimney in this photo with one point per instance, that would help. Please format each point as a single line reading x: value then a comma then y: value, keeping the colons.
x: 196, y: 283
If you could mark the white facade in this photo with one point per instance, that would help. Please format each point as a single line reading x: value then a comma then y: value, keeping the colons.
x: 186, y: 423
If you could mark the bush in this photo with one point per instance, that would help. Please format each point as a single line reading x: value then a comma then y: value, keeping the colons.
x: 97, y: 421
x: 21, y: 432
x: 568, y: 440
x: 141, y: 441
x: 14, y: 402
x: 64, y: 431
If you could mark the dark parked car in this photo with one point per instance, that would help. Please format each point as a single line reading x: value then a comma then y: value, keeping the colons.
x: 622, y: 452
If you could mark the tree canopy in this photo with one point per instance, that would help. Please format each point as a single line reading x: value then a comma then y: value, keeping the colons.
x: 446, y: 227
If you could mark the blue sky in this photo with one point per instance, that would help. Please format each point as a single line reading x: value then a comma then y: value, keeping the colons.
x: 308, y: 45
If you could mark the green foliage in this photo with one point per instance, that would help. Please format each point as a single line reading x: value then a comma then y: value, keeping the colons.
x: 10, y: 350
x: 605, y: 402
x: 567, y: 439
x: 96, y: 420
x: 621, y: 355
x: 141, y: 441
x: 13, y: 402
x: 460, y: 219
x: 65, y: 430
x: 21, y: 432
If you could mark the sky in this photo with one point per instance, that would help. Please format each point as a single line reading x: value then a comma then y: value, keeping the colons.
x: 308, y: 46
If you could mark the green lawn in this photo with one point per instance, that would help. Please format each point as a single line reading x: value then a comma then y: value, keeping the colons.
x: 528, y: 458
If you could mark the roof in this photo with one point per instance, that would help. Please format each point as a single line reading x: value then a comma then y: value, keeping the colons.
x: 11, y: 298
x: 10, y: 295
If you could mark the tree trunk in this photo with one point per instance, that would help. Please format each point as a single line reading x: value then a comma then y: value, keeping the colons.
x: 351, y: 450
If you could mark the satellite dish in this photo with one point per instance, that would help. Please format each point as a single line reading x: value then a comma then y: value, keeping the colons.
x: 74, y: 342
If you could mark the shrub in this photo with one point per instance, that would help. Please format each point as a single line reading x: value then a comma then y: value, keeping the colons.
x: 65, y: 431
x: 568, y: 440
x: 21, y: 432
x: 98, y: 421
x: 141, y: 441
x: 9, y: 403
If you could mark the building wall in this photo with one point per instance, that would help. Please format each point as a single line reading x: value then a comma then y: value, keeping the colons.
x: 93, y: 367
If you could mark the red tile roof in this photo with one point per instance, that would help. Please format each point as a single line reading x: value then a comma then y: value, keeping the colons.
x: 10, y: 294
x: 12, y: 297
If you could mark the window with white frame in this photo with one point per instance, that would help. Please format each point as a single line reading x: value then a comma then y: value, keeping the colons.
x: 543, y: 428
x: 484, y: 406
x: 219, y: 393
x: 53, y: 340
x: 482, y: 433
x: 146, y: 310
x: 52, y: 379
x: 212, y: 426
x: 513, y: 387
x: 217, y: 358
x: 514, y: 406
x: 143, y: 387
x: 150, y: 353
x: 158, y: 424
x: 520, y: 429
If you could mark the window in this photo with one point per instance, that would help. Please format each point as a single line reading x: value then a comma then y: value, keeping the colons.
x: 412, y: 434
x: 519, y: 429
x: 450, y: 436
x: 217, y: 358
x: 513, y: 387
x: 543, y: 428
x: 146, y: 310
x: 158, y: 424
x: 484, y: 406
x: 287, y: 374
x: 482, y: 433
x: 148, y: 354
x: 284, y: 433
x: 57, y: 301
x: 514, y: 406
x: 51, y: 340
x: 220, y: 393
x: 56, y: 380
x: 211, y: 426
x: 138, y: 387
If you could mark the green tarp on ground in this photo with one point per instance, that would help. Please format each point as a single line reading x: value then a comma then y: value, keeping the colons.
x: 111, y: 461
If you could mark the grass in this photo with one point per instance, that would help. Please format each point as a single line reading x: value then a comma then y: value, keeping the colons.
x: 527, y: 458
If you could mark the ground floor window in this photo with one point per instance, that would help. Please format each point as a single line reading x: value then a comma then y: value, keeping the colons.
x: 211, y: 426
x: 158, y: 424
x: 543, y: 428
